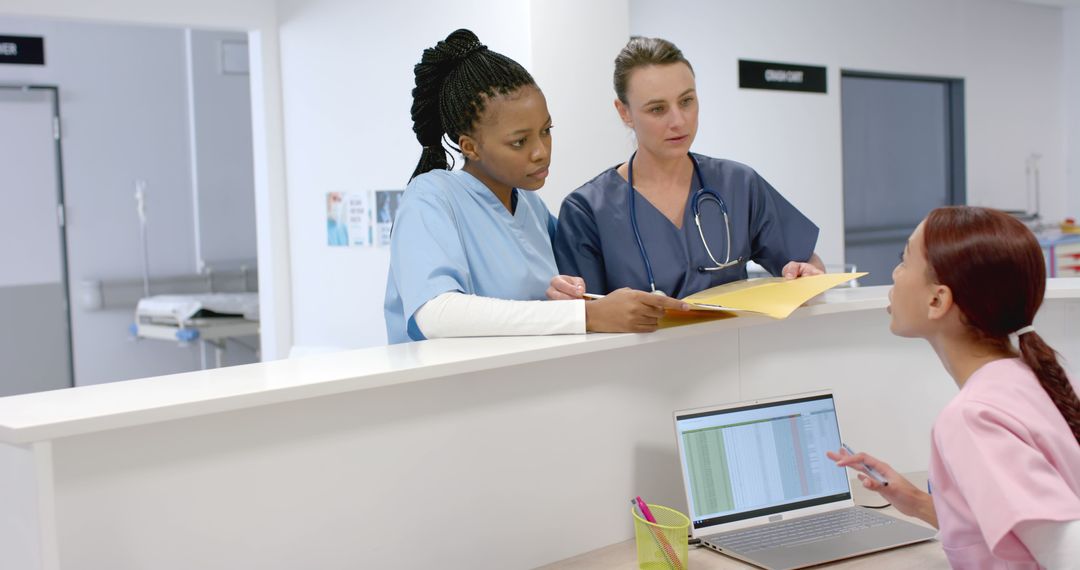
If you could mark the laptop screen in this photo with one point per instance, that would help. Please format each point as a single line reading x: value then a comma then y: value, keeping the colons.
x: 760, y: 459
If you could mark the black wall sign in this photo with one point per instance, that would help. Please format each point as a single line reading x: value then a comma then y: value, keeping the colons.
x: 781, y: 76
x: 22, y: 49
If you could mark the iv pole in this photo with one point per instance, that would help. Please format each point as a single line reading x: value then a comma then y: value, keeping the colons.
x: 140, y: 207
x: 1031, y: 175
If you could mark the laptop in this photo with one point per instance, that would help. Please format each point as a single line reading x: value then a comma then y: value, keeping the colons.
x: 760, y: 488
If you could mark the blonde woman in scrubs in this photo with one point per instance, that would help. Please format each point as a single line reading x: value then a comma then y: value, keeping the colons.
x: 1005, y: 452
x: 670, y: 220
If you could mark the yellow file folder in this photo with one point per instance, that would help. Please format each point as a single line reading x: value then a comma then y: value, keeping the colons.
x: 773, y: 296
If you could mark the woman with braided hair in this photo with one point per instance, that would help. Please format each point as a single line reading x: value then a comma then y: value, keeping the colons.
x: 470, y: 252
x: 1005, y: 452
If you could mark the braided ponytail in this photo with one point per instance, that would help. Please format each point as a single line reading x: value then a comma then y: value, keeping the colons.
x: 430, y: 73
x: 1043, y: 361
x: 453, y: 80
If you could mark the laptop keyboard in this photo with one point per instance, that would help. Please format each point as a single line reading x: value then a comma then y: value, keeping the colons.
x: 800, y: 531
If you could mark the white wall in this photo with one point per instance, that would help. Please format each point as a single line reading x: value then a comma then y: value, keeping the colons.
x: 1071, y: 65
x: 1009, y: 54
x: 236, y: 14
x: 574, y: 44
x: 222, y: 149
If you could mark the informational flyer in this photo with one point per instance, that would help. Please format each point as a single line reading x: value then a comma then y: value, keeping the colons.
x: 386, y: 206
x: 362, y: 219
x: 337, y: 231
x: 358, y: 218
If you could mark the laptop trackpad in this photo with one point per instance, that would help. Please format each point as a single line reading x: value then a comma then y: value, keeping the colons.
x: 844, y: 546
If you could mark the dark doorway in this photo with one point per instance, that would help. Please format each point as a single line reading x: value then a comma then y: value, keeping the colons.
x: 903, y: 140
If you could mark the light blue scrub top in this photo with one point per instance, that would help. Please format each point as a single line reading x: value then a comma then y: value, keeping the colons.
x: 596, y: 241
x: 452, y: 233
x: 337, y: 233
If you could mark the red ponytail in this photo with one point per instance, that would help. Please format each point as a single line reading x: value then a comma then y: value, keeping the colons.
x: 1043, y: 362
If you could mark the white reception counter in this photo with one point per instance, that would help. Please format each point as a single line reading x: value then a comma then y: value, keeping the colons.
x: 477, y: 453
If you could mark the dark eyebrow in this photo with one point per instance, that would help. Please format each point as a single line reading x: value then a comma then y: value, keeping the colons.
x: 527, y: 130
x: 681, y: 95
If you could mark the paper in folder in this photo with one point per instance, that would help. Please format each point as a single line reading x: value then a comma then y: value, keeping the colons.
x: 773, y: 296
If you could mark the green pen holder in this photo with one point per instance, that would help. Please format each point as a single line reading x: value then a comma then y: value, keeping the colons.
x: 661, y: 545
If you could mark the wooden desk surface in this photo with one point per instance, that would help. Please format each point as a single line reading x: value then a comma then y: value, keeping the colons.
x: 924, y: 555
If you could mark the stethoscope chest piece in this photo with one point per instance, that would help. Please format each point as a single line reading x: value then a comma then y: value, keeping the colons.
x: 700, y: 195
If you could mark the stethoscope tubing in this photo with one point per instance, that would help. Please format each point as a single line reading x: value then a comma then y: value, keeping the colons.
x: 634, y: 224
x: 699, y: 194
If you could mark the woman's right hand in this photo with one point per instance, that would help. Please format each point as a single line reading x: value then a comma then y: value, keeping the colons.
x: 629, y: 310
x: 907, y: 498
x: 565, y: 287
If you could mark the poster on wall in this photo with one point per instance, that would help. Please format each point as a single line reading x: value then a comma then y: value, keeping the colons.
x: 348, y: 219
x: 360, y: 219
x: 386, y: 205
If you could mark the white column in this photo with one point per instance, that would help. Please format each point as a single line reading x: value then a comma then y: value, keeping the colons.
x: 1071, y: 23
x: 271, y: 198
x: 27, y: 508
x: 574, y: 45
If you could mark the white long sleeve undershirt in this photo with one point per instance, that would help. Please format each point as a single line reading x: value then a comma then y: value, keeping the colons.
x: 456, y: 314
x: 1054, y: 544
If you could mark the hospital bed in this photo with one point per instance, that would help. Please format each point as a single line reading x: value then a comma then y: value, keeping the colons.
x: 209, y: 318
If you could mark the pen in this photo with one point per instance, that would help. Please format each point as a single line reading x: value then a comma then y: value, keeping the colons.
x: 645, y: 510
x: 594, y: 296
x: 869, y: 470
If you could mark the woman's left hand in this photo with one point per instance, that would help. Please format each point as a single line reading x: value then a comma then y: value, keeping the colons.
x: 800, y: 269
x: 812, y: 266
x: 565, y: 287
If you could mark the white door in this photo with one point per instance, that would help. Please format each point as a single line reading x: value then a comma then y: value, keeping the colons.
x: 35, y: 347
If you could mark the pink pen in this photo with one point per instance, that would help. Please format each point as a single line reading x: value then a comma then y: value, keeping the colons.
x: 645, y: 510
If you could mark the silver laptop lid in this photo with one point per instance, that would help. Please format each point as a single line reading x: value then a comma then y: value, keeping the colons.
x: 760, y: 461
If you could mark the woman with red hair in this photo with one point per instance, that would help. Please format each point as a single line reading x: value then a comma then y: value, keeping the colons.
x: 1005, y: 452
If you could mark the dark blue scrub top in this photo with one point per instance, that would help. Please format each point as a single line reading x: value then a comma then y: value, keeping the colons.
x: 595, y: 240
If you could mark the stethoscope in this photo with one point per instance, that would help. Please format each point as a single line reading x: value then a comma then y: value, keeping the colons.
x: 702, y: 193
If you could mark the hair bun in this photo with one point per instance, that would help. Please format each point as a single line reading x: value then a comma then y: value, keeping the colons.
x: 459, y: 45
x: 469, y: 49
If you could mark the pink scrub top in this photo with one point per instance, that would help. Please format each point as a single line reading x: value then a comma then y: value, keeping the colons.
x: 1001, y: 454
